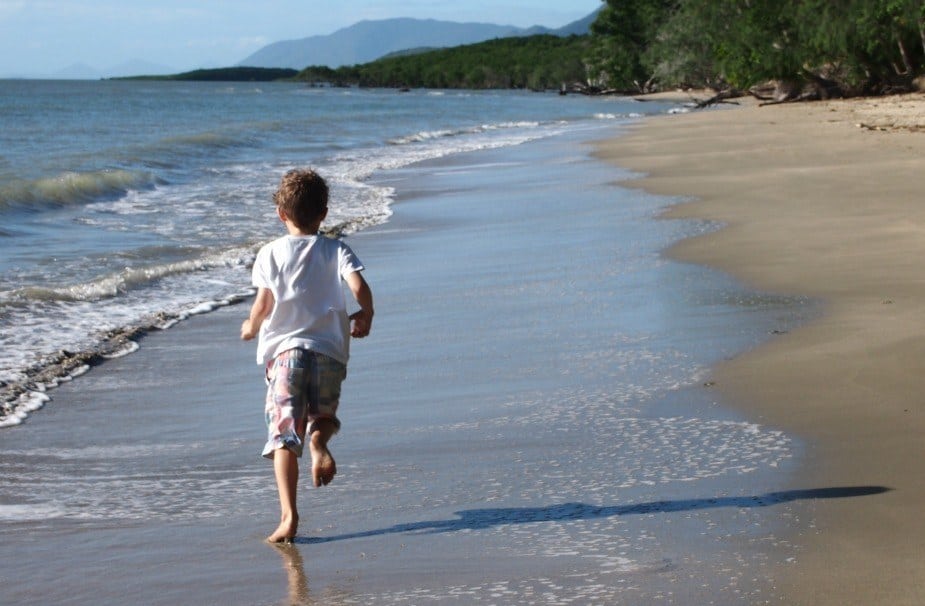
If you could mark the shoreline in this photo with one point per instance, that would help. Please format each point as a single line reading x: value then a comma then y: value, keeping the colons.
x: 819, y: 200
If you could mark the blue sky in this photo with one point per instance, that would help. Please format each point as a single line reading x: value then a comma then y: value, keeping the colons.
x: 41, y: 37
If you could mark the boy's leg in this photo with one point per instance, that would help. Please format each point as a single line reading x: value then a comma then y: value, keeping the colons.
x: 286, y: 469
x: 323, y: 466
x: 286, y: 410
x: 324, y: 399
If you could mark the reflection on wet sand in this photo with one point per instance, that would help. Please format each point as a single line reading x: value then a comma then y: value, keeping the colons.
x: 294, y: 566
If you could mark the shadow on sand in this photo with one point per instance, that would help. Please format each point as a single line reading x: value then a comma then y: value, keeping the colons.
x: 479, y: 519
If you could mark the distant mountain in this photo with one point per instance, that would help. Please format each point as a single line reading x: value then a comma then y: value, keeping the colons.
x: 369, y: 40
x: 82, y: 71
x: 580, y: 27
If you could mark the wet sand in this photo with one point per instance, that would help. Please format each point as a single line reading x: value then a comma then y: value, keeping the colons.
x: 528, y: 423
x: 823, y: 200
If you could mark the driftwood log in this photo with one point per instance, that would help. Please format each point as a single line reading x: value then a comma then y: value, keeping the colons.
x: 723, y: 96
x: 814, y: 88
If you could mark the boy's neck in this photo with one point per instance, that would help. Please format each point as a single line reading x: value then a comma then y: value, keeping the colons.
x: 295, y: 230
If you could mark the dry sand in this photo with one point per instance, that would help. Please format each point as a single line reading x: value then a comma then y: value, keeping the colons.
x: 824, y: 199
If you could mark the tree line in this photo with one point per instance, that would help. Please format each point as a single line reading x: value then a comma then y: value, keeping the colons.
x: 226, y: 74
x: 805, y: 47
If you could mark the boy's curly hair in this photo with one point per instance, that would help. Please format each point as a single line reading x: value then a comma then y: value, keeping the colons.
x: 302, y: 196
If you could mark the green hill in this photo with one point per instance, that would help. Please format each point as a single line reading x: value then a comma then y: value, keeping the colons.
x: 535, y: 62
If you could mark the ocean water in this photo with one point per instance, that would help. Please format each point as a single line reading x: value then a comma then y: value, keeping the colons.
x: 127, y: 206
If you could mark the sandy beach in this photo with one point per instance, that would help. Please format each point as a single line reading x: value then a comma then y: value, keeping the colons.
x: 824, y: 200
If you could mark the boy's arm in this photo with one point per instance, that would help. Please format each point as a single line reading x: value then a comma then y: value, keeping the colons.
x: 261, y: 308
x: 362, y: 321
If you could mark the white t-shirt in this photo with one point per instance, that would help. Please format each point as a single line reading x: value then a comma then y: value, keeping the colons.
x: 304, y: 274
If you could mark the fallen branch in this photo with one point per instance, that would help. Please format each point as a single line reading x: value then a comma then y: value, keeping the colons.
x: 722, y: 96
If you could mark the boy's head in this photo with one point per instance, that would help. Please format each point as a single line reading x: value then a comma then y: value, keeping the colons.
x: 302, y: 197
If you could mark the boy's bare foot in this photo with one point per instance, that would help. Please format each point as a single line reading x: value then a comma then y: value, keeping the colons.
x: 323, y: 466
x: 286, y: 530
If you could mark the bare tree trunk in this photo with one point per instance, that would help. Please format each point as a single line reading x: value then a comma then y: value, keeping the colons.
x: 922, y: 33
x: 907, y: 63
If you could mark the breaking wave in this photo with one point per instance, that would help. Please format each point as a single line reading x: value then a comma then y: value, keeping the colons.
x: 71, y: 188
x: 430, y: 135
x: 119, y: 283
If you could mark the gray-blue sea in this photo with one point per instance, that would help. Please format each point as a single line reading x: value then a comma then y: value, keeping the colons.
x: 130, y: 204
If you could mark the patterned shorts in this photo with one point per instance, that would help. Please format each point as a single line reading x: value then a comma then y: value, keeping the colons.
x: 302, y: 387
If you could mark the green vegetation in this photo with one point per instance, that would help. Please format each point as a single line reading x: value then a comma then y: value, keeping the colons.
x: 806, y: 47
x: 829, y: 46
x: 535, y: 62
x: 620, y: 36
x: 226, y: 74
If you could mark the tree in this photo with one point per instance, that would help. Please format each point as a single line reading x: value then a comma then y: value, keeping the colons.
x: 681, y: 55
x: 848, y: 46
x: 621, y: 35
